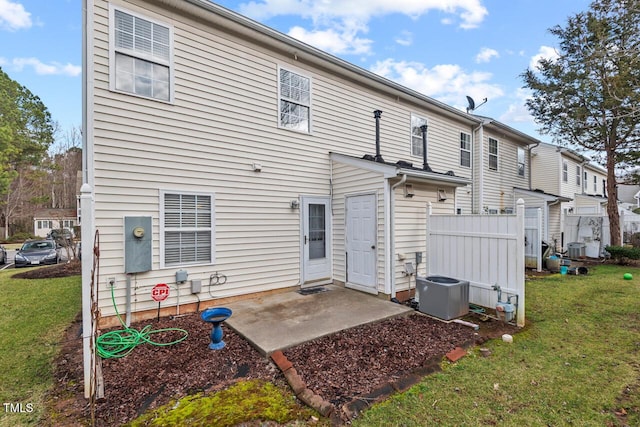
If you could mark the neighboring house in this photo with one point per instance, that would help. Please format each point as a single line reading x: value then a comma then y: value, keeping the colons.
x: 579, y: 186
x: 501, y: 165
x: 46, y: 220
x: 218, y: 147
x: 629, y: 195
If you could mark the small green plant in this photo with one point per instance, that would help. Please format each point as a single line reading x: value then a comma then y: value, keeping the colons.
x: 245, y: 401
x: 19, y: 237
x: 623, y: 253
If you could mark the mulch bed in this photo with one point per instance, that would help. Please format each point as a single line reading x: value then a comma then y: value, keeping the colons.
x: 338, y: 367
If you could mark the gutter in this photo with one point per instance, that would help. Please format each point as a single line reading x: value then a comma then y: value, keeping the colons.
x: 480, y: 130
x: 531, y: 147
x: 86, y: 200
x: 392, y: 242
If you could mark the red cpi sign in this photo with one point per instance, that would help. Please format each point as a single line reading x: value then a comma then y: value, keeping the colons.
x: 160, y: 292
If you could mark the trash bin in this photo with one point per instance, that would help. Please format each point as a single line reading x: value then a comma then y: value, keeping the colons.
x: 443, y: 297
x: 553, y: 264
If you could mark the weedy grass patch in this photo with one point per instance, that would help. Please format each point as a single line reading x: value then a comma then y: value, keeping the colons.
x: 245, y: 401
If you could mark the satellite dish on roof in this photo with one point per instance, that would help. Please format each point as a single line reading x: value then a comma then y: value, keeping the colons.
x: 472, y: 104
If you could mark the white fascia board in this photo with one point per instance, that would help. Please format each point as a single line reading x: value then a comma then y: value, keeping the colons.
x: 542, y: 196
x: 386, y: 170
x: 430, y: 176
x: 390, y: 171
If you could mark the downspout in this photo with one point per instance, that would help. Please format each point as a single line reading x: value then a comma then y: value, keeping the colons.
x: 480, y: 129
x: 531, y: 147
x: 392, y: 242
x: 86, y: 200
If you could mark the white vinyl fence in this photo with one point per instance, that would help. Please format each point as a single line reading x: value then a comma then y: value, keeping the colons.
x: 485, y: 250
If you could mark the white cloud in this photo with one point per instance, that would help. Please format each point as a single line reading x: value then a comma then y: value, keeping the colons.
x: 517, y: 111
x: 486, y: 54
x: 340, y: 40
x: 405, y: 38
x: 342, y: 20
x: 53, y: 68
x: 448, y: 83
x: 545, y: 52
x: 470, y: 12
x: 13, y: 17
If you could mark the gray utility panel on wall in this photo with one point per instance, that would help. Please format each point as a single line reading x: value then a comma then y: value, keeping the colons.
x: 137, y: 244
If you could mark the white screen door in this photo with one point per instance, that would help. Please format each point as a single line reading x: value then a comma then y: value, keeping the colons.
x: 316, y: 240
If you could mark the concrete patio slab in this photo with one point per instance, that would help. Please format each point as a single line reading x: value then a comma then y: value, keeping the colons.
x: 279, y: 321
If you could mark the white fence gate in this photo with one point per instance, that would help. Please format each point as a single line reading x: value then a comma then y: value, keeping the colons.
x: 533, y: 238
x: 485, y: 250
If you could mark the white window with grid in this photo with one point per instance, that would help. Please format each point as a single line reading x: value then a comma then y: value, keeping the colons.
x: 294, y: 100
x: 416, y: 135
x: 493, y: 154
x: 465, y: 149
x: 140, y: 56
x: 565, y: 171
x: 187, y: 228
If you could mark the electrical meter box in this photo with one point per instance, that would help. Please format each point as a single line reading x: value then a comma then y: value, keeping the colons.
x: 137, y: 244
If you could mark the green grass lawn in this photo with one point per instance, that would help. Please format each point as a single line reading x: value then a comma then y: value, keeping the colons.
x: 578, y: 363
x: 33, y: 316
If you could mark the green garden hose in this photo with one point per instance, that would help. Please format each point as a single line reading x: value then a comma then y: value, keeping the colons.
x: 121, y: 342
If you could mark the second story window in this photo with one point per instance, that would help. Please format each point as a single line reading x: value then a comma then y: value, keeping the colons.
x: 416, y: 135
x: 465, y: 149
x: 140, y: 57
x: 565, y: 171
x: 595, y: 184
x: 493, y: 154
x: 295, y: 101
x: 521, y: 161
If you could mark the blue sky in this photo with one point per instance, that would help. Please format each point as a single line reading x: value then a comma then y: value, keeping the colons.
x: 446, y: 49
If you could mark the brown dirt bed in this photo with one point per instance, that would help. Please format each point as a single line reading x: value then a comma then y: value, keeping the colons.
x: 338, y: 367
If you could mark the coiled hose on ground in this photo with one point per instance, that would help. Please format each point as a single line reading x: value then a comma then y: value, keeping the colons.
x: 121, y: 342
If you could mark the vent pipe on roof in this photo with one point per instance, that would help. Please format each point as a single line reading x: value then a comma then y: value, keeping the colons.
x: 425, y: 165
x: 376, y: 115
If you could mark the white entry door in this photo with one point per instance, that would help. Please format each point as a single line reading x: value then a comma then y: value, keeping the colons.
x: 316, y: 241
x: 360, y: 242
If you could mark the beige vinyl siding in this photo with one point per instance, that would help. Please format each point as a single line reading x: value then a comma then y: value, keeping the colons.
x: 498, y: 184
x: 600, y: 175
x: 410, y: 224
x: 555, y: 225
x: 546, y: 169
x: 571, y: 188
x: 224, y: 118
x: 348, y: 180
